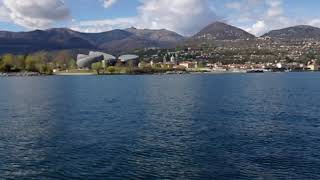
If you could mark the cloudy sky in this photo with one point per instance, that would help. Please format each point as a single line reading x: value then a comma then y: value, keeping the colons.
x: 183, y: 16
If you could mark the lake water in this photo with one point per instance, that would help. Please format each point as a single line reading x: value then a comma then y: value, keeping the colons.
x: 228, y: 126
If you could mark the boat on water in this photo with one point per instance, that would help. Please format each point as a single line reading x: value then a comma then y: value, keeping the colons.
x: 255, y: 71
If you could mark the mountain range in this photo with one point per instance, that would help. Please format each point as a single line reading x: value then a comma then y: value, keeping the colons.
x: 61, y: 38
x: 295, y: 33
x: 222, y: 31
x: 126, y: 40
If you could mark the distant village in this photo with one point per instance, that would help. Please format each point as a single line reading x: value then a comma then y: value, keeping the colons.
x: 204, y: 54
x: 234, y: 56
x: 261, y: 55
x: 223, y: 56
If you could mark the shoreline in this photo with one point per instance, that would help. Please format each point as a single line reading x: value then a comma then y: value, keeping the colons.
x: 74, y: 74
x: 22, y: 74
x: 178, y: 73
x: 34, y: 74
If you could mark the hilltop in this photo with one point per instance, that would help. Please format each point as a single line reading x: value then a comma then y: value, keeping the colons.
x: 222, y: 31
x: 127, y: 40
x: 295, y: 33
x: 61, y: 38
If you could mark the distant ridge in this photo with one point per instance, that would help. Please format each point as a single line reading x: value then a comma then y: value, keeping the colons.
x: 119, y: 41
x: 295, y: 33
x: 61, y: 38
x: 161, y: 35
x: 222, y: 31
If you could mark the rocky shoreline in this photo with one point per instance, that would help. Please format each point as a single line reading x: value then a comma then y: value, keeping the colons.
x: 20, y: 74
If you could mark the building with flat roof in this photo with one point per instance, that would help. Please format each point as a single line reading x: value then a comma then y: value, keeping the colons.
x: 129, y: 59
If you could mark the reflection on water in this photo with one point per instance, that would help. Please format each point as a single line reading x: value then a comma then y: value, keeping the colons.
x: 257, y: 126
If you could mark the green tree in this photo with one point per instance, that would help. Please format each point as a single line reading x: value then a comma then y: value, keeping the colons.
x: 45, y: 69
x: 72, y: 64
x: 19, y: 62
x: 31, y: 63
x: 97, y: 67
x: 111, y: 69
x: 7, y: 62
x: 38, y: 63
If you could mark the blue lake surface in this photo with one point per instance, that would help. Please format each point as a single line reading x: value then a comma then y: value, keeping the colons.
x: 228, y: 126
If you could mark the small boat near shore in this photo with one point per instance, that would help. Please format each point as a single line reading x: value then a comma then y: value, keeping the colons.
x: 255, y: 71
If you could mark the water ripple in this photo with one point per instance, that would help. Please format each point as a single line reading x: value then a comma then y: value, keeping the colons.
x: 161, y: 127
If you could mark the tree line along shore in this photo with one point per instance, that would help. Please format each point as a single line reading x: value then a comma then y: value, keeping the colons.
x: 63, y: 62
x: 151, y: 61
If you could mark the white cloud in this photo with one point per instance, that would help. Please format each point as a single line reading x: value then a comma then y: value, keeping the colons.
x: 258, y: 28
x: 35, y: 13
x: 3, y: 14
x: 275, y: 8
x: 260, y: 16
x: 182, y: 16
x: 314, y: 22
x: 104, y: 25
x: 109, y: 3
x: 270, y: 15
x: 234, y: 5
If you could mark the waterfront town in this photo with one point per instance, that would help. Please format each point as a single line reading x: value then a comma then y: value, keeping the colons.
x: 263, y: 54
x: 260, y: 55
x: 184, y: 61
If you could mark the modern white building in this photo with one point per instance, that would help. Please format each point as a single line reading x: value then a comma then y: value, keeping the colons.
x: 85, y: 61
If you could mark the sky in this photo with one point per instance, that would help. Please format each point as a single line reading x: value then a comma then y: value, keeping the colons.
x: 182, y: 16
